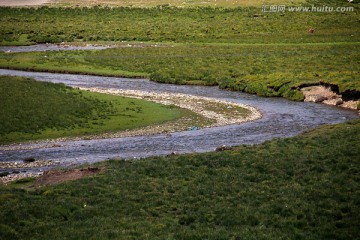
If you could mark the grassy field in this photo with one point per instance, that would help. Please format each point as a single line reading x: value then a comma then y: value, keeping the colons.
x: 305, y: 187
x: 177, y: 3
x: 258, y: 69
x: 243, y: 49
x: 32, y: 110
x: 188, y: 25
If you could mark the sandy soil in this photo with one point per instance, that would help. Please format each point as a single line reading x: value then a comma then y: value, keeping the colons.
x: 18, y: 3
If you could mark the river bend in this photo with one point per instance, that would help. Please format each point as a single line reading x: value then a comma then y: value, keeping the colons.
x: 281, y: 118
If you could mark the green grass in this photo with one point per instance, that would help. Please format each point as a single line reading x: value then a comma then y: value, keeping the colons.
x: 188, y: 25
x: 263, y: 69
x: 305, y: 187
x: 178, y: 3
x: 240, y: 49
x: 32, y: 110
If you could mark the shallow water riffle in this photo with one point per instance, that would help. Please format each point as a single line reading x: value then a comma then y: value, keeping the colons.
x: 280, y: 118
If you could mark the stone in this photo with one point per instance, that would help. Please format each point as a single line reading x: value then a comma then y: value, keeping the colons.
x: 4, y: 174
x: 223, y: 148
x: 350, y: 104
x: 334, y: 102
x: 29, y: 160
x: 315, y: 98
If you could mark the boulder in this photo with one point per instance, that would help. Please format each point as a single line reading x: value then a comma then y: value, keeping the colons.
x: 314, y: 98
x: 350, y: 104
x: 223, y: 148
x: 29, y: 160
x: 334, y: 102
x: 318, y: 94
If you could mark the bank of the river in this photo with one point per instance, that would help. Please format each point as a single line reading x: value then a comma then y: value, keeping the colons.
x: 207, y: 112
x: 280, y: 118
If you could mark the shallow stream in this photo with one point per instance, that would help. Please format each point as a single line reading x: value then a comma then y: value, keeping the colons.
x: 281, y: 118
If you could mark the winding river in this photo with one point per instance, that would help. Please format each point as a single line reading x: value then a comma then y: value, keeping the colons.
x: 281, y: 118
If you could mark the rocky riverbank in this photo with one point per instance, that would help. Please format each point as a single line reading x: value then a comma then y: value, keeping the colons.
x: 323, y: 94
x: 12, y: 171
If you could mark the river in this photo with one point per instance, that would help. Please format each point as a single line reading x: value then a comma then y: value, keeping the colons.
x: 281, y: 118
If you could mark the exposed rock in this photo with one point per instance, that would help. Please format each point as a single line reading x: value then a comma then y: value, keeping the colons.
x: 318, y: 94
x: 327, y: 96
x: 29, y: 160
x: 314, y: 98
x: 350, y: 104
x: 335, y: 101
x: 223, y: 148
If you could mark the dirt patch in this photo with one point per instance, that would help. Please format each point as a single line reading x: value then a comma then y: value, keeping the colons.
x: 55, y: 177
x: 18, y: 3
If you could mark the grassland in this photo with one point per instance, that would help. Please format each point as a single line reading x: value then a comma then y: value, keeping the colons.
x: 306, y: 187
x: 240, y: 49
x: 177, y: 3
x: 32, y: 110
x: 189, y: 25
x: 258, y: 69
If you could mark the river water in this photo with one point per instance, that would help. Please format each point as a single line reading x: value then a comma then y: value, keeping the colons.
x: 281, y: 118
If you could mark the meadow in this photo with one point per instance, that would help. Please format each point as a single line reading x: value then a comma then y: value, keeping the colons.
x: 306, y: 187
x: 31, y: 110
x: 257, y: 69
x: 241, y: 49
x: 177, y: 3
x: 21, y: 26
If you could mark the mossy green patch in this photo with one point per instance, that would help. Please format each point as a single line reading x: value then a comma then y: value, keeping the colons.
x: 39, y: 110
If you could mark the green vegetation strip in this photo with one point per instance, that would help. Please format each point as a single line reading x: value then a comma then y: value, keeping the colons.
x: 165, y: 3
x: 181, y: 25
x: 32, y: 110
x: 305, y: 187
x: 263, y: 69
x: 243, y: 49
